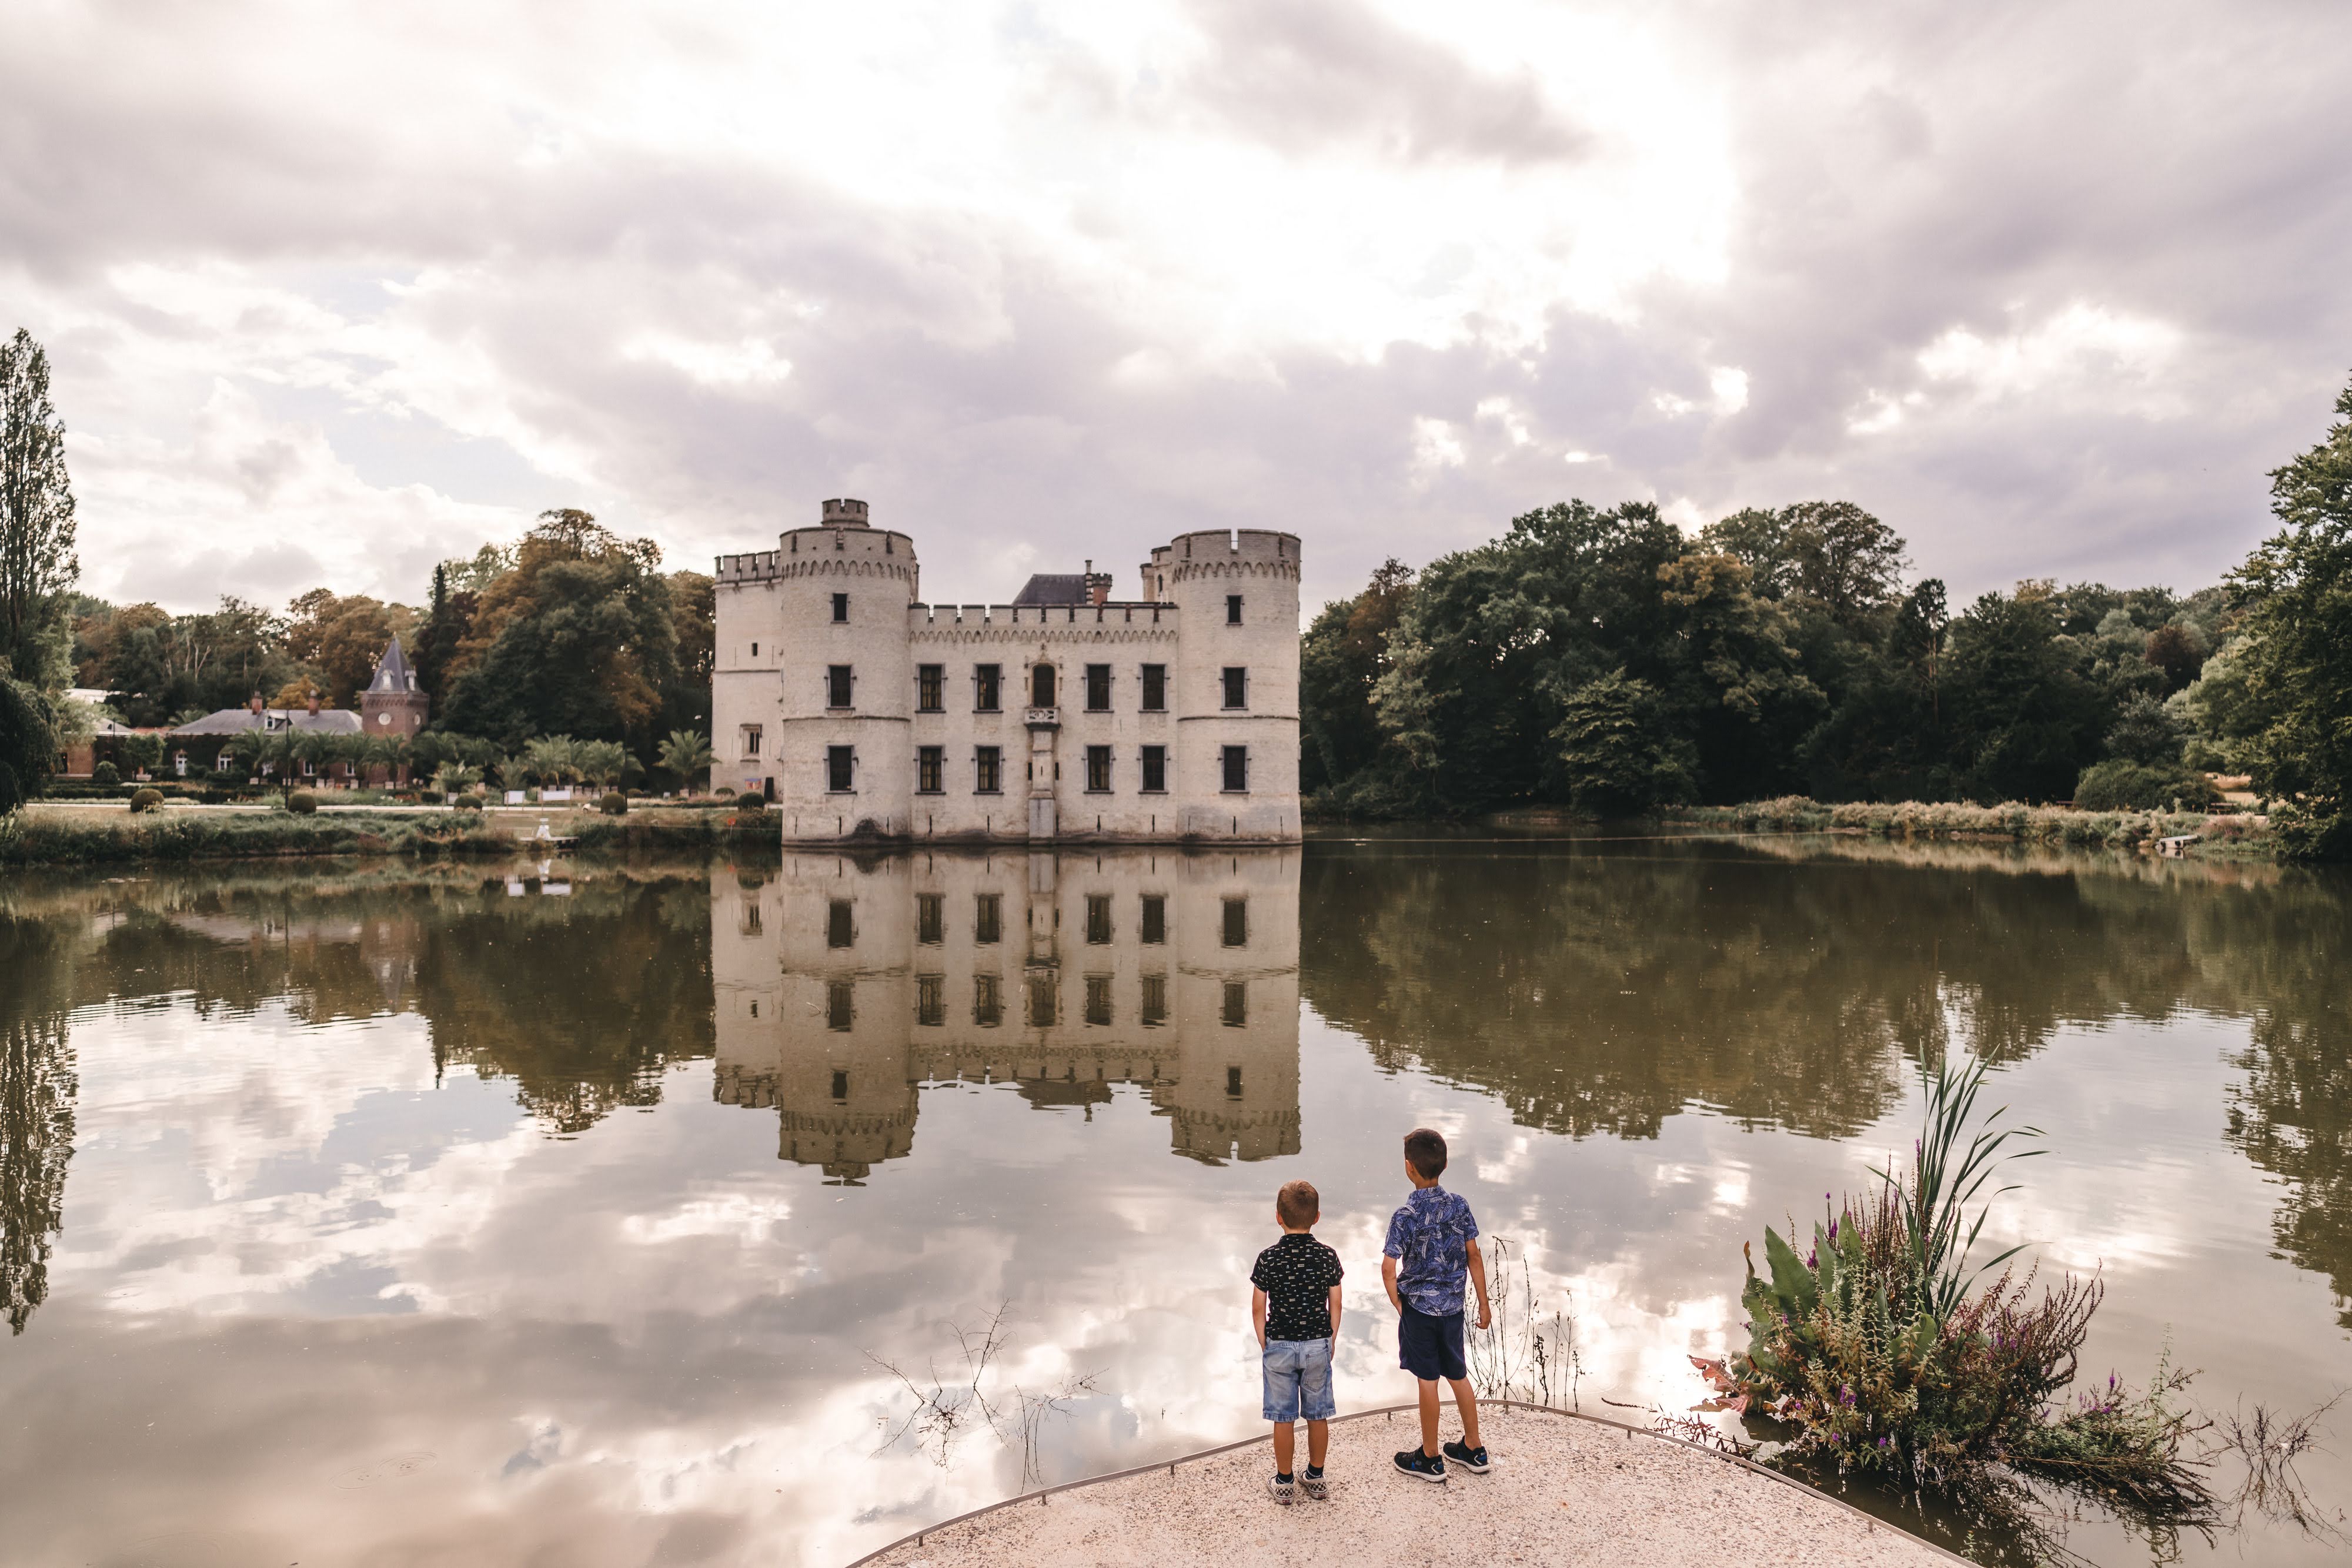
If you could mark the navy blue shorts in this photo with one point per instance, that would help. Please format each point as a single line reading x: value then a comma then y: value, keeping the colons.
x: 1431, y: 1348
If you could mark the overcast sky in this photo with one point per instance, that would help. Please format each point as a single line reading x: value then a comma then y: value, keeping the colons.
x: 335, y: 291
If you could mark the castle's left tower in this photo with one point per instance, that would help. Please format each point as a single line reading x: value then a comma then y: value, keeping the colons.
x: 392, y: 706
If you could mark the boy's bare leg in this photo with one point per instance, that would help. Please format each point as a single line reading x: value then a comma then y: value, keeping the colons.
x: 1429, y: 1417
x: 1465, y: 1400
x: 1285, y: 1444
x: 1319, y: 1443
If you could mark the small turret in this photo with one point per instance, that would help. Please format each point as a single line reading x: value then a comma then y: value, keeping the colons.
x: 844, y: 514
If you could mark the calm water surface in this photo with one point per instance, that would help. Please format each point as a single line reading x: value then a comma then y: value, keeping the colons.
x: 612, y: 1214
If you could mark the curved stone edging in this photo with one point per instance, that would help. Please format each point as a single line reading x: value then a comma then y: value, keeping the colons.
x: 917, y: 1537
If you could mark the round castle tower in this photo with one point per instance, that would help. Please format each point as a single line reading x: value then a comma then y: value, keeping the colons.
x: 1206, y: 573
x: 842, y: 588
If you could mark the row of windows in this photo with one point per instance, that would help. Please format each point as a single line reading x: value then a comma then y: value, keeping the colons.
x: 988, y: 687
x: 1043, y: 1009
x: 988, y: 768
x: 987, y: 920
x: 841, y: 611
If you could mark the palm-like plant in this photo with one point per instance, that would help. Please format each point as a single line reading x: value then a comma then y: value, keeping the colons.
x: 456, y: 777
x: 555, y: 758
x: 601, y: 762
x: 1946, y: 1177
x: 687, y: 756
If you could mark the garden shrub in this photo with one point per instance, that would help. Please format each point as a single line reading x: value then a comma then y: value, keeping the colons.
x: 106, y: 773
x: 2117, y: 785
x: 302, y: 802
x: 146, y: 799
x: 750, y: 800
x: 614, y: 804
x: 468, y: 802
x: 428, y: 797
x: 724, y: 791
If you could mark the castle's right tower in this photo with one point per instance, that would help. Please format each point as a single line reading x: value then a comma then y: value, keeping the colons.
x: 1236, y: 697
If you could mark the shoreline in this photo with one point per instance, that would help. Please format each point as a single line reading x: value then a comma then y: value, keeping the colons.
x: 67, y: 834
x: 1664, y: 1500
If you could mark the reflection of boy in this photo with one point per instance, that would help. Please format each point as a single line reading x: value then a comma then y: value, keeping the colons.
x: 1295, y: 1307
x: 1432, y: 1241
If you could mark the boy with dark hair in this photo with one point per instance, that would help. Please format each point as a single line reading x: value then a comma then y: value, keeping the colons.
x: 1295, y: 1307
x: 1432, y: 1241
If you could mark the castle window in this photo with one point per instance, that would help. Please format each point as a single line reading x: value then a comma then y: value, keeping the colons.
x: 1155, y: 769
x: 755, y: 650
x: 987, y: 918
x: 1041, y: 686
x: 1237, y: 929
x: 1041, y: 1000
x: 840, y: 606
x: 1098, y: 769
x: 930, y: 1000
x: 929, y: 688
x: 1236, y: 770
x: 840, y: 1084
x: 1236, y: 1015
x: 1099, y: 1000
x: 840, y: 1012
x: 1155, y: 688
x: 840, y: 924
x: 1155, y: 1000
x: 839, y: 684
x: 1098, y: 688
x: 987, y: 770
x: 1232, y: 610
x: 1097, y: 918
x: 751, y: 740
x: 930, y: 920
x: 987, y: 1000
x: 929, y: 766
x: 751, y: 923
x: 841, y: 768
x: 987, y: 688
x: 1233, y: 1079
x: 1155, y: 919
x: 1236, y: 686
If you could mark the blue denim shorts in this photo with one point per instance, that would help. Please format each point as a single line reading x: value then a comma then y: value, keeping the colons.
x: 1298, y: 1374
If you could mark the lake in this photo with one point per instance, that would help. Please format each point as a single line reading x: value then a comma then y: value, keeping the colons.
x: 606, y: 1213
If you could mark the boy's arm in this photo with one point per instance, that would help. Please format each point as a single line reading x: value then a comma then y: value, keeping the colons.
x: 1478, y: 1277
x: 1388, y: 1284
x: 1334, y: 1314
x: 1257, y: 1314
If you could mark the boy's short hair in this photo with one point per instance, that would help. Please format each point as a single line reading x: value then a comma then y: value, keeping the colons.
x: 1298, y: 1205
x: 1426, y: 1150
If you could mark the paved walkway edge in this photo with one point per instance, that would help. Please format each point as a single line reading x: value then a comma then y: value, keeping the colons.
x: 916, y: 1538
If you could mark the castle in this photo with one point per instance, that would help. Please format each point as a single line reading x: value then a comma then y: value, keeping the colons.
x: 1066, y: 716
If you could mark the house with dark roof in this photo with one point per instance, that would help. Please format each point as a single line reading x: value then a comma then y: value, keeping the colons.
x: 391, y: 706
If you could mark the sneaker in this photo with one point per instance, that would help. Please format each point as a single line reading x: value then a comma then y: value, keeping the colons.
x: 1285, y: 1492
x: 1469, y: 1458
x: 1315, y: 1486
x: 1421, y: 1467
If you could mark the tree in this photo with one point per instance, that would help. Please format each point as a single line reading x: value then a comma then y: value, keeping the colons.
x: 38, y: 566
x: 2297, y: 661
x: 1830, y: 554
x: 38, y: 1088
x: 1340, y: 661
x: 2023, y: 721
x: 28, y: 745
x: 686, y: 756
x: 1620, y: 750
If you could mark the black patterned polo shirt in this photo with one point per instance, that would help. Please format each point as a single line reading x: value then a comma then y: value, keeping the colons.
x: 1297, y: 1273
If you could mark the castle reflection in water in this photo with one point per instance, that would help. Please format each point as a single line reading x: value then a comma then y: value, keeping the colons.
x: 846, y: 982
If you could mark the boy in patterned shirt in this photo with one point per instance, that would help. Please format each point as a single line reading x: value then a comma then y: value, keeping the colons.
x: 1295, y: 1307
x: 1433, y: 1242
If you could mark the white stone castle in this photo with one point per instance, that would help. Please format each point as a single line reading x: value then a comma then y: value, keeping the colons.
x: 1066, y: 716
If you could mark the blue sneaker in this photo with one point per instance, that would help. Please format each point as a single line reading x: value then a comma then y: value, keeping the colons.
x: 1421, y: 1467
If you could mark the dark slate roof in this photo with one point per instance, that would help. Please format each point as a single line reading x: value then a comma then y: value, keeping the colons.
x: 1054, y: 588
x: 392, y: 671
x: 240, y: 720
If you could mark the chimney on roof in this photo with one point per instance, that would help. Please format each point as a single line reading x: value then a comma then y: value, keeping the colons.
x: 1098, y: 585
x: 314, y: 700
x: 254, y: 704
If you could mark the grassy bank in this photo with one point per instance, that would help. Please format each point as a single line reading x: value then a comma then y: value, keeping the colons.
x: 2051, y: 825
x: 38, y: 837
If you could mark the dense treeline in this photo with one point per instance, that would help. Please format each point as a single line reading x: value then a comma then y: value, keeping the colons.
x: 574, y: 631
x: 1606, y: 660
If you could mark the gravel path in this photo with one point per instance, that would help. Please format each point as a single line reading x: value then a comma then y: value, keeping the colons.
x: 1562, y: 1490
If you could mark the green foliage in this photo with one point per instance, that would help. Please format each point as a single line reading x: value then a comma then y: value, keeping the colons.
x: 468, y: 802
x: 1620, y: 758
x: 2296, y: 661
x: 428, y: 797
x: 2145, y: 731
x: 38, y: 566
x: 2024, y: 720
x: 28, y: 748
x: 142, y: 800
x: 614, y: 804
x: 1341, y: 662
x: 106, y: 773
x: 301, y: 803
x: 686, y: 756
x: 2117, y: 785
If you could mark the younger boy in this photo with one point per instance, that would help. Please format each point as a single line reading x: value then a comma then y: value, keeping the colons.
x: 1295, y: 1307
x: 1433, y: 1239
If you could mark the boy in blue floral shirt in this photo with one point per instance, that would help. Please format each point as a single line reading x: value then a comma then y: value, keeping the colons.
x: 1432, y: 1243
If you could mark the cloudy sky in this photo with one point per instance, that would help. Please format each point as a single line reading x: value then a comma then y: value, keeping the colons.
x: 335, y: 291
